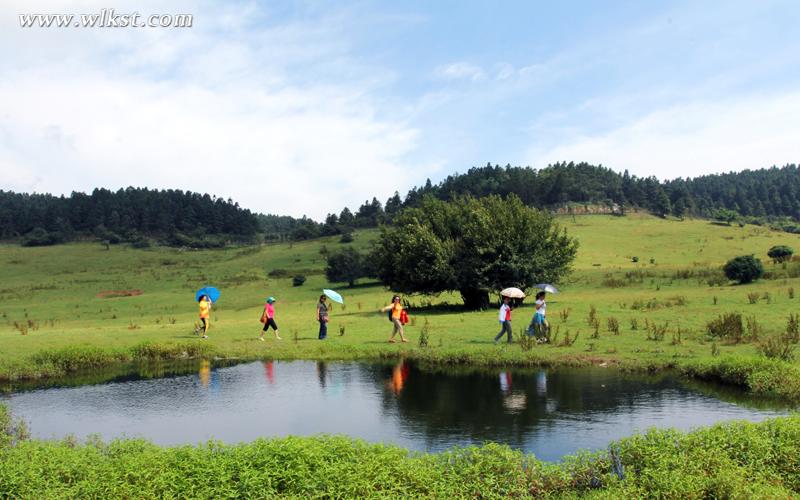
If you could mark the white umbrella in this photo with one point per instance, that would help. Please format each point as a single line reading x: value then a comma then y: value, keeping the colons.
x: 514, y: 293
x: 546, y: 287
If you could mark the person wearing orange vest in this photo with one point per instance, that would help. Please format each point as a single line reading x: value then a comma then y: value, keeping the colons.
x: 205, y: 309
x: 397, y: 310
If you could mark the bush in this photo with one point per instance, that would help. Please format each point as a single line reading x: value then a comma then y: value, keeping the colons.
x: 298, y: 280
x: 141, y: 242
x: 780, y: 253
x: 39, y: 237
x: 744, y: 269
x: 279, y: 273
x: 777, y: 347
x: 347, y: 237
x: 728, y: 327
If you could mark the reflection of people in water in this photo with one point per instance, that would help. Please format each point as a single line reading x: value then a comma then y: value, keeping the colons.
x: 322, y: 373
x: 268, y: 371
x: 505, y: 381
x: 541, y: 383
x: 205, y: 372
x: 399, y: 377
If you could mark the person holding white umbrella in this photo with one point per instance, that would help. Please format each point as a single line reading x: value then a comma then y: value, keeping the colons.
x: 505, y: 321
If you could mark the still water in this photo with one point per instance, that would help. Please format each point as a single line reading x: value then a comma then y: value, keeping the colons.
x: 547, y: 413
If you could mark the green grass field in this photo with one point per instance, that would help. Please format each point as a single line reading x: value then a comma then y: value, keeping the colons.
x: 73, y: 297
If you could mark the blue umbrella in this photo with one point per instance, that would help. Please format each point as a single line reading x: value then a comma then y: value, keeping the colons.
x: 333, y: 295
x: 212, y: 293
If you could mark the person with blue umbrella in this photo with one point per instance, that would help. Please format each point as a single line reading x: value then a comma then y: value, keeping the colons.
x: 205, y: 312
x: 322, y: 316
x: 206, y: 296
x: 322, y: 310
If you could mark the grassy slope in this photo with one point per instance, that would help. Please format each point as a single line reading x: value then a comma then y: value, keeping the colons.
x: 57, y: 289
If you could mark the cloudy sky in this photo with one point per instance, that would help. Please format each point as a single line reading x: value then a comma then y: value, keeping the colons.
x: 306, y: 107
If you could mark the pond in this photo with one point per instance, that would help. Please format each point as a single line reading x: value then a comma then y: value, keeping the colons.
x: 549, y: 413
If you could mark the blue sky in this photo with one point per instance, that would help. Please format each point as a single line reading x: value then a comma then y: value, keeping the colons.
x: 305, y: 107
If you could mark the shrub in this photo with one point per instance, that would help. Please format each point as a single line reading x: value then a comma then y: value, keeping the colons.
x: 728, y: 327
x: 568, y: 341
x: 298, y: 280
x: 347, y: 237
x: 656, y: 332
x: 753, y: 297
x: 793, y: 327
x: 744, y: 269
x: 777, y: 347
x: 634, y: 259
x: 780, y: 253
x: 754, y: 330
x: 39, y: 237
x: 613, y: 325
x: 141, y: 242
x: 526, y: 342
x: 592, y: 318
x: 424, y: 334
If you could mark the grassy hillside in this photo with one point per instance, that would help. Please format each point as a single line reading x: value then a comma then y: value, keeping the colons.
x: 103, y: 304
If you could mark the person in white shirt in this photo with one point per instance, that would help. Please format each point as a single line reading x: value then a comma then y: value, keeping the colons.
x: 539, y: 323
x: 505, y: 321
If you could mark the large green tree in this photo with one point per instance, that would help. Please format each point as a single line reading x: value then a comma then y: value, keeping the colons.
x: 473, y: 246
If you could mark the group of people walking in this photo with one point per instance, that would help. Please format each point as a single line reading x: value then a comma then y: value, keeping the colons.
x: 538, y: 326
x: 396, y: 313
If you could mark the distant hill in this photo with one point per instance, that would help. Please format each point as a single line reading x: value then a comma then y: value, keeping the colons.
x: 766, y: 196
x: 773, y: 192
x: 136, y: 215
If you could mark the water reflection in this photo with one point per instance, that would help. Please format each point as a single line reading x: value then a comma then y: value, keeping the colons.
x: 322, y: 373
x: 205, y: 373
x: 549, y: 413
x: 269, y: 371
x: 400, y: 373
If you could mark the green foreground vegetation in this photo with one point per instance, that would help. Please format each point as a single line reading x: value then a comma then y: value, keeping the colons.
x: 731, y: 460
x: 653, y: 284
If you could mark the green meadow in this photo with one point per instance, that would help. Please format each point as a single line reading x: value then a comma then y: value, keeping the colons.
x: 68, y: 307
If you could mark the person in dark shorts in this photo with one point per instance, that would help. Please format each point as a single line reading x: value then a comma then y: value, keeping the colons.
x: 269, y: 319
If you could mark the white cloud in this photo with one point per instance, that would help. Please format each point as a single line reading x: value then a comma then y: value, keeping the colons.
x: 460, y: 71
x: 235, y: 113
x: 692, y: 139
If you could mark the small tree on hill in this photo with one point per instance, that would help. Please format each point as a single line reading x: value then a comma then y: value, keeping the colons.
x: 345, y: 266
x: 780, y: 253
x: 726, y: 216
x: 744, y: 269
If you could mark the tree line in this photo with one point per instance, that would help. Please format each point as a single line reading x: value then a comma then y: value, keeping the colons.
x: 758, y: 196
x: 134, y: 215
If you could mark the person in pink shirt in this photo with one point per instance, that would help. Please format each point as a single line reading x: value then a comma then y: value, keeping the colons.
x: 269, y: 316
